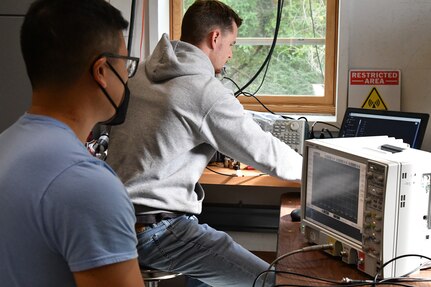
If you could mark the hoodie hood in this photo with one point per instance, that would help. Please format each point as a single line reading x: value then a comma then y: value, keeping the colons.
x: 172, y: 59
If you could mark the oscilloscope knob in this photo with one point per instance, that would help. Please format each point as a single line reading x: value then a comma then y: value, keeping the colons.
x: 294, y: 126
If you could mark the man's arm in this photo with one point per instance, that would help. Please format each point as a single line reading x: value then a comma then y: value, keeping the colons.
x: 230, y: 131
x: 123, y: 274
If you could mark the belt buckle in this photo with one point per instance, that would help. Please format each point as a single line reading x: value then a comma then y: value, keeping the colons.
x: 139, y: 228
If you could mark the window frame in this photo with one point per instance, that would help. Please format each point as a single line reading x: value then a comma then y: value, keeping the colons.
x: 289, y: 104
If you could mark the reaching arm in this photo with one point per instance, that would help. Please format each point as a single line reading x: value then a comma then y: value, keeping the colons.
x: 123, y: 274
x: 233, y: 133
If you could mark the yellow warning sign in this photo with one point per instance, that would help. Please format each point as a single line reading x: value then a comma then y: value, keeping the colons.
x: 374, y: 101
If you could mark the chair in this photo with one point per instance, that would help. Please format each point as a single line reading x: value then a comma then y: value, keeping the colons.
x: 152, y: 277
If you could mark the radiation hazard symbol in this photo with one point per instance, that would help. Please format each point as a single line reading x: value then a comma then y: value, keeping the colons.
x: 374, y: 101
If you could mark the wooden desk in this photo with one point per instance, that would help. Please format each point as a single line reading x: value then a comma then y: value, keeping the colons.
x: 315, y: 263
x: 246, y: 178
x: 248, y: 203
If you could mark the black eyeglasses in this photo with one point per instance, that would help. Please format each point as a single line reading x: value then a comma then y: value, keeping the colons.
x: 131, y: 62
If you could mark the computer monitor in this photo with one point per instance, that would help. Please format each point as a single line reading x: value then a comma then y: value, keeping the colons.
x: 410, y: 127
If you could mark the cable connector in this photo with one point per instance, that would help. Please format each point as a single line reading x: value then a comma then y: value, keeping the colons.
x: 347, y: 280
x: 318, y: 247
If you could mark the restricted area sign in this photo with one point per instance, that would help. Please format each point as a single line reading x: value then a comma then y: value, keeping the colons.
x: 375, y: 89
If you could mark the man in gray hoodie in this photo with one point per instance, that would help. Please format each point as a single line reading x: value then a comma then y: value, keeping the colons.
x: 179, y: 115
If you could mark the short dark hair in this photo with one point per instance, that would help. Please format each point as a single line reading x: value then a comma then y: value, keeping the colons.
x: 61, y: 38
x: 203, y: 16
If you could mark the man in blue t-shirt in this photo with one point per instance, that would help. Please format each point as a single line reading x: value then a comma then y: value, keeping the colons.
x: 65, y: 216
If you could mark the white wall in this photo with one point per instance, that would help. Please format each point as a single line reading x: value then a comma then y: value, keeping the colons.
x: 390, y: 34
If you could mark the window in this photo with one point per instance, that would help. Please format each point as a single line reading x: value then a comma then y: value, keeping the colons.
x: 302, y: 70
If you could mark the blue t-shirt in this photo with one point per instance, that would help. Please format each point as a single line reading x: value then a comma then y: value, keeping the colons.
x: 61, y: 210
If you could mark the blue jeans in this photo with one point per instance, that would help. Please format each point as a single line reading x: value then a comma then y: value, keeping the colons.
x: 196, y: 250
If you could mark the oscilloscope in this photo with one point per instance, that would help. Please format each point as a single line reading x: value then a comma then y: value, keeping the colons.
x: 370, y: 198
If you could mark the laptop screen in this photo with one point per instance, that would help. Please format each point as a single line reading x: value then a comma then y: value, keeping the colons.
x: 410, y: 127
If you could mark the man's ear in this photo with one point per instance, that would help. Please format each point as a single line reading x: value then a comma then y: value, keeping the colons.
x: 214, y: 38
x: 99, y: 72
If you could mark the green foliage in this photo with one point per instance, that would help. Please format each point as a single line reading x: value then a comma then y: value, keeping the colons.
x: 293, y: 68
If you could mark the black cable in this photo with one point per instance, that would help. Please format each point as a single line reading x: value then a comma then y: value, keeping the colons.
x: 407, y: 279
x: 263, y: 77
x: 323, y: 280
x: 325, y: 123
x: 426, y: 266
x: 277, y: 27
x: 351, y: 283
x: 305, y: 249
x: 131, y: 27
x: 220, y: 173
x: 309, y: 277
x: 230, y: 79
x: 319, y: 122
x: 322, y: 134
x: 265, y: 64
x: 247, y: 94
x: 314, y: 35
x: 346, y: 282
x: 342, y: 284
x: 396, y: 258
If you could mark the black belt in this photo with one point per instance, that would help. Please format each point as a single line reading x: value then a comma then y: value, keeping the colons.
x: 148, y: 219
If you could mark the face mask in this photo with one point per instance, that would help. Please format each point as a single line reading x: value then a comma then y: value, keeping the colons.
x: 121, y: 110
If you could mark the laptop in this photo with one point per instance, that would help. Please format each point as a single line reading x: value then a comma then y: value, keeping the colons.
x: 410, y: 127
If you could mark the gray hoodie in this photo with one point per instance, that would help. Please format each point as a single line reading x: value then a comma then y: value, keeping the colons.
x: 179, y: 115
